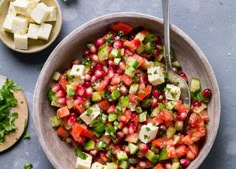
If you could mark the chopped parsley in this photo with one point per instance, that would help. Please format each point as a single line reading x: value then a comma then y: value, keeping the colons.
x: 80, y: 154
x: 155, y: 72
x: 148, y: 129
x: 146, y: 137
x: 28, y: 166
x: 161, y: 106
x: 135, y: 79
x: 27, y: 136
x: 89, y: 112
x: 78, y: 69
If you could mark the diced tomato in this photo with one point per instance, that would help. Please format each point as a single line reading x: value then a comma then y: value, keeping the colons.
x: 145, y: 64
x: 79, y: 130
x: 192, y: 152
x: 104, y: 105
x: 204, y: 115
x: 144, y: 92
x: 181, y: 150
x: 62, y: 132
x: 116, y: 79
x: 133, y: 44
x: 167, y: 116
x: 63, y: 81
x: 103, y: 84
x: 187, y: 139
x: 160, y: 142
x: 157, y: 120
x: 79, y: 107
x: 193, y: 119
x: 63, y: 112
x: 132, y: 138
x: 140, y: 59
x: 159, y: 166
x: 171, y: 152
x: 128, y: 114
x: 126, y: 79
x: 133, y: 99
x: 120, y: 26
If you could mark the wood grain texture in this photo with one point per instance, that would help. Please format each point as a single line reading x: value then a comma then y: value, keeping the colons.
x: 20, y: 122
x: 188, y: 53
x: 34, y: 45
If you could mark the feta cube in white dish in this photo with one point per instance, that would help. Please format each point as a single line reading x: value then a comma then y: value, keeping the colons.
x: 40, y: 13
x: 78, y: 71
x: 33, y: 31
x: 97, y: 165
x: 21, y: 6
x: 19, y: 25
x: 172, y: 92
x: 32, y: 5
x: 91, y: 114
x: 7, y: 24
x: 52, y: 16
x: 20, y: 41
x: 44, y: 31
x: 148, y: 133
x: 11, y: 10
x: 156, y: 75
x: 84, y: 163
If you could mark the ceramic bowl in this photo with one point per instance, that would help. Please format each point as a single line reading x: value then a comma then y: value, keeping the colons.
x: 191, y: 57
x: 34, y: 45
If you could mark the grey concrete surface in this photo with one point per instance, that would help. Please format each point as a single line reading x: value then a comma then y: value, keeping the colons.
x: 210, y: 23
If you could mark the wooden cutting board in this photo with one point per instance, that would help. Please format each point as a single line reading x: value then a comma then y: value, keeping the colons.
x: 20, y: 122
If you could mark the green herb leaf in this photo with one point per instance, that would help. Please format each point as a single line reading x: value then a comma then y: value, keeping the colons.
x: 28, y: 166
x: 27, y: 136
x: 80, y: 154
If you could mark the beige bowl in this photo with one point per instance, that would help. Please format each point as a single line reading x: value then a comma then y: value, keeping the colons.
x: 188, y: 53
x: 34, y: 45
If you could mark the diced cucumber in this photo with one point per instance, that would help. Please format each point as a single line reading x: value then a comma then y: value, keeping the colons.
x: 132, y: 62
x: 131, y: 106
x: 155, y: 112
x: 115, y: 52
x: 133, y: 161
x: 89, y: 145
x: 133, y: 88
x: 115, y: 94
x: 200, y: 108
x: 96, y: 96
x: 132, y: 148
x: 146, y: 103
x: 179, y: 125
x: 70, y: 90
x: 142, y: 117
x: 138, y: 109
x: 175, y: 165
x: 149, y: 37
x: 70, y: 103
x: 140, y: 49
x: 103, y: 52
x: 103, y: 118
x: 117, y: 61
x: 55, y: 121
x: 101, y: 145
x: 171, y: 104
x: 112, y: 117
x: 170, y: 132
x: 124, y: 164
x: 195, y: 85
x: 149, y: 47
x: 140, y: 36
x: 55, y: 103
x: 163, y: 154
x: 160, y: 56
x: 124, y: 102
x: 176, y: 64
x: 156, y: 63
x: 111, y: 165
x: 121, y: 155
x: 129, y: 70
x: 151, y: 156
x: 56, y: 76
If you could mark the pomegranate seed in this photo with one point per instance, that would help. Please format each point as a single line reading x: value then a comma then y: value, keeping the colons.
x: 111, y: 73
x: 175, y: 69
x: 99, y: 73
x: 167, y: 165
x: 162, y: 127
x: 134, y: 116
x: 93, y: 79
x: 72, y: 119
x: 121, y: 66
x: 125, y: 130
x: 121, y: 125
x: 105, y: 68
x: 120, y: 135
x: 87, y: 77
x: 117, y: 149
x: 80, y: 90
x: 182, y: 116
x: 143, y: 147
x: 154, y: 102
x: 122, y: 118
x: 99, y: 42
x: 131, y: 167
x: 196, y: 103
x: 62, y: 101
x: 156, y: 52
x: 156, y: 93
x: 126, y: 148
x: 89, y: 92
x: 56, y: 87
x: 128, y: 52
x: 157, y: 39
x: 207, y: 93
x: 123, y: 90
x: 98, y: 66
x: 103, y: 157
x: 93, y: 152
x: 79, y: 100
x: 111, y: 109
x: 60, y: 94
x: 142, y: 164
x: 111, y: 63
x: 161, y: 98
x: 92, y: 48
x: 132, y: 128
x: 87, y: 84
x: 118, y: 44
x: 184, y: 162
x: 183, y: 75
x: 86, y: 52
x: 94, y: 57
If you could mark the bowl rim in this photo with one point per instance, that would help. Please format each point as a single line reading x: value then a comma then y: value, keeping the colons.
x: 59, y: 20
x: 173, y: 28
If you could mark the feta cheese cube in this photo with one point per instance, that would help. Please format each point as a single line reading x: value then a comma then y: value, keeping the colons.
x: 172, y: 92
x: 45, y: 31
x: 33, y: 31
x: 84, y: 163
x: 21, y: 6
x: 20, y: 41
x: 78, y: 70
x: 32, y: 5
x: 97, y: 165
x: 11, y: 10
x: 90, y: 114
x: 155, y: 75
x: 19, y: 25
x: 8, y: 22
x: 40, y: 13
x: 52, y: 16
x: 148, y: 133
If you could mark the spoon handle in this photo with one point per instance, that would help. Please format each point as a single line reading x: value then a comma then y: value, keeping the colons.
x: 165, y: 8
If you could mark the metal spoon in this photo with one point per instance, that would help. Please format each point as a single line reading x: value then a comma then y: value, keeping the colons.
x: 171, y: 75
